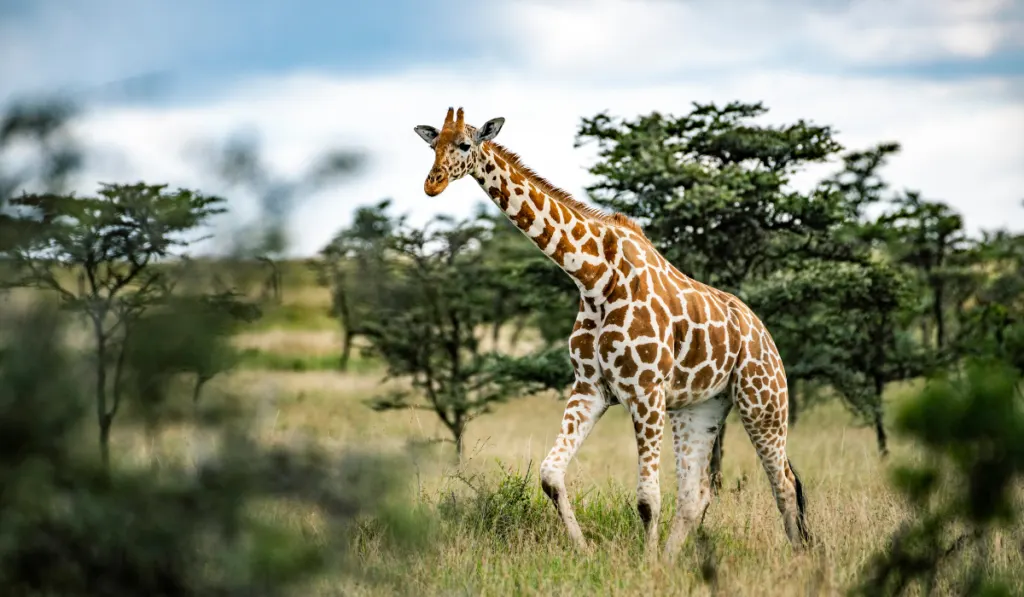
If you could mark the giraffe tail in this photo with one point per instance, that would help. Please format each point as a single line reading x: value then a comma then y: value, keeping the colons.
x: 801, y: 504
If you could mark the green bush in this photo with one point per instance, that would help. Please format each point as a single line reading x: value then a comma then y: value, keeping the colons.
x: 970, y: 425
x: 69, y: 526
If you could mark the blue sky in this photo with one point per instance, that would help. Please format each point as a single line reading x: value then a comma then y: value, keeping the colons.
x: 944, y: 77
x: 196, y: 47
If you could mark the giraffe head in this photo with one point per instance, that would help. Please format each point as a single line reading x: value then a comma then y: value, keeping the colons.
x: 456, y: 148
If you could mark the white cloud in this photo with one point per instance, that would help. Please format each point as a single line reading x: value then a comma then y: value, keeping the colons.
x: 885, y: 31
x: 93, y: 42
x: 957, y: 145
x: 543, y: 64
x: 636, y: 38
x: 641, y: 37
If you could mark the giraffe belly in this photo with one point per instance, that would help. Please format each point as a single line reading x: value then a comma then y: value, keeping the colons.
x: 687, y: 386
x: 631, y: 367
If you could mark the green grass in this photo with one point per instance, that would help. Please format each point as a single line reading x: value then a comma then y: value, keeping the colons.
x: 486, y: 530
x: 254, y: 358
x: 294, y: 317
x: 493, y: 532
x: 502, y: 537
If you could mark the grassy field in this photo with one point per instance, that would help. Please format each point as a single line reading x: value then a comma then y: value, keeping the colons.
x: 492, y: 532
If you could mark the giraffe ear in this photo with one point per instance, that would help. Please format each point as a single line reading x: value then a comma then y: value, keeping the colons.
x: 489, y: 130
x: 427, y: 133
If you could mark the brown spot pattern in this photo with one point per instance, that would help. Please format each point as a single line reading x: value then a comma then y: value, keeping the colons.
x: 524, y: 219
x: 641, y: 326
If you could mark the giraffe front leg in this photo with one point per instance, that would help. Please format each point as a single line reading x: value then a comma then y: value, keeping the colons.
x: 694, y: 430
x: 648, y: 413
x: 585, y: 407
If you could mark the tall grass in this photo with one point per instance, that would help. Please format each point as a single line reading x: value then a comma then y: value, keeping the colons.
x: 492, y: 531
x: 485, y: 527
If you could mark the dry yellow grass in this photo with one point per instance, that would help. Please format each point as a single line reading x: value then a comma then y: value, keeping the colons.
x: 851, y: 507
x: 310, y: 342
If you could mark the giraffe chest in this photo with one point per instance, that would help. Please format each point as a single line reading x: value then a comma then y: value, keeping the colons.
x: 634, y: 349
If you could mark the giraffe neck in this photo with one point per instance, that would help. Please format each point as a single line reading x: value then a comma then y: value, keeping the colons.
x: 581, y: 244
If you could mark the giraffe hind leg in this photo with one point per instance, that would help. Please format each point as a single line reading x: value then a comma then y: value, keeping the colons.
x: 764, y: 417
x: 694, y: 429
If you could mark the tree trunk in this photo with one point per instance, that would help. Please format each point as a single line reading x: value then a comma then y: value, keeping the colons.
x: 102, y: 418
x: 197, y: 391
x: 105, y: 422
x: 499, y: 318
x: 346, y: 351
x: 716, y: 462
x: 880, y: 435
x: 940, y: 318
x: 883, y: 447
x: 458, y: 447
x: 517, y: 332
x: 272, y: 283
x: 275, y: 283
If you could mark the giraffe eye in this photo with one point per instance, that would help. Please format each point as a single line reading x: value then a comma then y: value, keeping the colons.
x: 464, y: 146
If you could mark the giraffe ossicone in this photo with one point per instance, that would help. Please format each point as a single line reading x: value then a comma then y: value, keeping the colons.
x: 668, y: 348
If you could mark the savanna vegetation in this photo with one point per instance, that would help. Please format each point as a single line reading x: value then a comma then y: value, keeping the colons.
x: 369, y: 420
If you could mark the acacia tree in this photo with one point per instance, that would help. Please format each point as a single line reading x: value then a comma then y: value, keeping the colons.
x: 194, y: 332
x: 929, y: 238
x: 110, y: 244
x: 843, y: 319
x: 711, y: 189
x: 355, y: 268
x: 991, y: 316
x: 710, y: 186
x: 429, y: 325
x: 843, y: 325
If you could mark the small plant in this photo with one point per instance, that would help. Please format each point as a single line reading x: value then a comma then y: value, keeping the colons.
x: 514, y: 505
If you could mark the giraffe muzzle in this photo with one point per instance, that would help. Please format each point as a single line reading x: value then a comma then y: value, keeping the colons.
x: 436, y: 182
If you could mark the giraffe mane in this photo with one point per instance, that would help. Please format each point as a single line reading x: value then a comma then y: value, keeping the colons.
x: 582, y: 209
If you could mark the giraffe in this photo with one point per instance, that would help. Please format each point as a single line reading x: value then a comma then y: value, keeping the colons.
x: 668, y: 348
